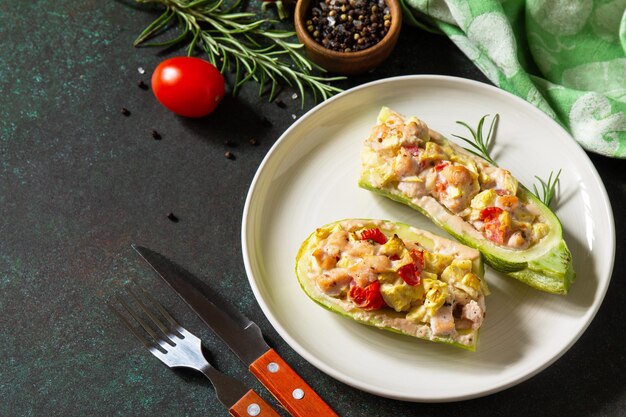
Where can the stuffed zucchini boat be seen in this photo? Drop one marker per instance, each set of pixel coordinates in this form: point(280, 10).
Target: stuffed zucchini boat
point(396, 277)
point(481, 205)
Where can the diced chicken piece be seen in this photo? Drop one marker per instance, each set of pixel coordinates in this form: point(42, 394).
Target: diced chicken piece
point(328, 255)
point(442, 323)
point(360, 249)
point(405, 165)
point(415, 132)
point(325, 260)
point(518, 240)
point(459, 186)
point(504, 180)
point(507, 202)
point(461, 298)
point(338, 240)
point(461, 177)
point(384, 141)
point(472, 312)
point(334, 282)
point(378, 133)
point(362, 274)
point(412, 189)
point(377, 263)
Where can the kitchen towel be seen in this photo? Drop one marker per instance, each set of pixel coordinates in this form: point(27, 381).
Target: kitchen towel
point(567, 57)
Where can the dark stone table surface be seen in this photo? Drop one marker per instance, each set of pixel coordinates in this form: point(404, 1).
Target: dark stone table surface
point(79, 182)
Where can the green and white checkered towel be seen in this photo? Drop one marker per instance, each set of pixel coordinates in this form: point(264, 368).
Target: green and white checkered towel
point(567, 57)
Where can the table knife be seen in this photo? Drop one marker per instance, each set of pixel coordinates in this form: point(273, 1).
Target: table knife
point(245, 339)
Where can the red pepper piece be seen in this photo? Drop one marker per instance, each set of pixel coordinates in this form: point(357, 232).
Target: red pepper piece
point(490, 213)
point(441, 166)
point(374, 234)
point(413, 150)
point(493, 228)
point(367, 298)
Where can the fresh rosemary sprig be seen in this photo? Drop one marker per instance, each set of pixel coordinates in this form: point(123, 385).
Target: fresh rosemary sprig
point(280, 8)
point(479, 144)
point(480, 147)
point(548, 188)
point(234, 38)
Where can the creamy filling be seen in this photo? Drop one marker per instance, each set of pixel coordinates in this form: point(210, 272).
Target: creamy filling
point(369, 269)
point(405, 156)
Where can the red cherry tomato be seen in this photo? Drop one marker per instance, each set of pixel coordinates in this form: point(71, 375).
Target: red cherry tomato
point(367, 298)
point(190, 87)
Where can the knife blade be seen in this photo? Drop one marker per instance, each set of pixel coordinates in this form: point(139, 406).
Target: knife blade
point(244, 338)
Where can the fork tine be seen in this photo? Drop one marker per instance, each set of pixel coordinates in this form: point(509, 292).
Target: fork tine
point(143, 323)
point(173, 323)
point(149, 313)
point(138, 335)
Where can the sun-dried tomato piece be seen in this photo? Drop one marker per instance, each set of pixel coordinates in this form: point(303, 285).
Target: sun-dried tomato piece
point(367, 298)
point(374, 234)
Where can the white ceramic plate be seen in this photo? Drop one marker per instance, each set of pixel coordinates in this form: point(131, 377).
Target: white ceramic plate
point(309, 178)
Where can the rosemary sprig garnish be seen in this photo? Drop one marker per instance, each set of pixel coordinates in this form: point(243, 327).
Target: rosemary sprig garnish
point(236, 39)
point(479, 144)
point(548, 188)
point(480, 147)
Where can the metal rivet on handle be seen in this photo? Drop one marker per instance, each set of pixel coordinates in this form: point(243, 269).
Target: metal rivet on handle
point(272, 367)
point(254, 409)
point(298, 394)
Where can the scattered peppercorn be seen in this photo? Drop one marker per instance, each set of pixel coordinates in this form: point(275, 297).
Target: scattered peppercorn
point(253, 142)
point(172, 217)
point(142, 85)
point(125, 111)
point(229, 155)
point(348, 25)
point(156, 135)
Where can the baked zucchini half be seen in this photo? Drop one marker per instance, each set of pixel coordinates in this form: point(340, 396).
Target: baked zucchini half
point(395, 277)
point(481, 205)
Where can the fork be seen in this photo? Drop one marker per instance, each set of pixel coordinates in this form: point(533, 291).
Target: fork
point(177, 347)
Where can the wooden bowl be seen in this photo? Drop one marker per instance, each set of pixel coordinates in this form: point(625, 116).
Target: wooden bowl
point(348, 63)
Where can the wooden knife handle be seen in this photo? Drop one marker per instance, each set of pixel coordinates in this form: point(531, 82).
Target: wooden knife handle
point(288, 388)
point(251, 404)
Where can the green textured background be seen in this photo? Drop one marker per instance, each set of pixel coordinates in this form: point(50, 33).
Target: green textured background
point(79, 182)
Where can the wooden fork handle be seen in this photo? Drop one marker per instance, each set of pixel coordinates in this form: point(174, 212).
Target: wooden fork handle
point(288, 387)
point(251, 405)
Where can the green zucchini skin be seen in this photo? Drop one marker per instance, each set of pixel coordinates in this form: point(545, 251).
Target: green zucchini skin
point(546, 266)
point(386, 318)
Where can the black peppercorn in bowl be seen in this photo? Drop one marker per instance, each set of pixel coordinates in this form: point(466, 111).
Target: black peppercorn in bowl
point(348, 37)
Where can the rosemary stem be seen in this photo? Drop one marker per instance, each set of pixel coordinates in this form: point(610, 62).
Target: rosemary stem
point(234, 38)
